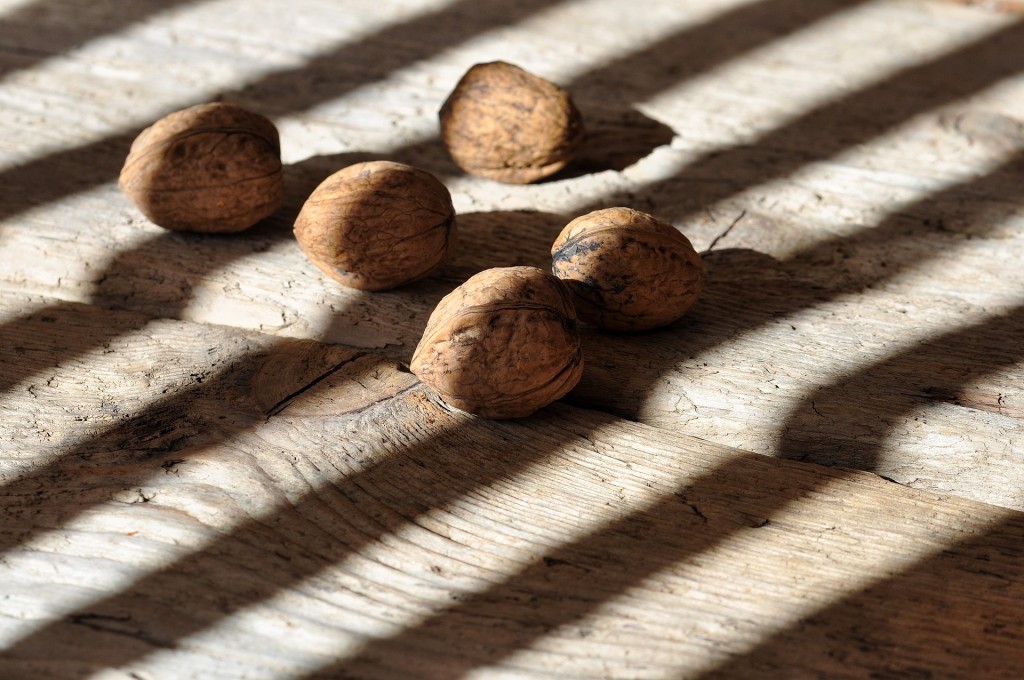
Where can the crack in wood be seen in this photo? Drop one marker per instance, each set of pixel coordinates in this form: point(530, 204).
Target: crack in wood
point(283, 403)
point(693, 506)
point(714, 241)
point(115, 625)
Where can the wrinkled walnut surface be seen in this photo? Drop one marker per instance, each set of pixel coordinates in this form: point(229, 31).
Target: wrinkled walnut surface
point(502, 345)
point(507, 124)
point(208, 168)
point(378, 225)
point(627, 270)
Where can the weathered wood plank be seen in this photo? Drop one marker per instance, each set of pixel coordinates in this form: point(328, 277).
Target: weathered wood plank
point(855, 226)
point(372, 532)
point(193, 484)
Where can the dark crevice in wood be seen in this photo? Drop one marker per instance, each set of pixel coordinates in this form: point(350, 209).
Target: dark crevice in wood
point(283, 404)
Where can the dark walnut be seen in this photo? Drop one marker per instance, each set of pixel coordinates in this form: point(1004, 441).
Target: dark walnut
point(506, 124)
point(378, 225)
point(502, 345)
point(212, 168)
point(627, 270)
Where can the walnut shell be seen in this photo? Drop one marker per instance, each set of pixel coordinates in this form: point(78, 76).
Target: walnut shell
point(627, 270)
point(208, 168)
point(502, 345)
point(506, 124)
point(378, 225)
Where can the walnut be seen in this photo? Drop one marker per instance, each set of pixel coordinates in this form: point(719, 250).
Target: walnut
point(207, 168)
point(502, 345)
point(627, 270)
point(378, 225)
point(506, 124)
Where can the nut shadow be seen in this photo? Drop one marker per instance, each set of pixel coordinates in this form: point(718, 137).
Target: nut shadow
point(328, 76)
point(748, 290)
point(156, 277)
point(840, 124)
point(618, 134)
point(745, 290)
point(614, 141)
point(503, 238)
point(682, 55)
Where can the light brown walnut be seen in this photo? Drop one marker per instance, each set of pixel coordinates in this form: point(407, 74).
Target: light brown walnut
point(627, 270)
point(378, 225)
point(209, 168)
point(502, 345)
point(507, 124)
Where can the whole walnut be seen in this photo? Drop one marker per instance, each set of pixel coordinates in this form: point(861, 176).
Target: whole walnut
point(506, 124)
point(208, 168)
point(627, 270)
point(502, 345)
point(378, 225)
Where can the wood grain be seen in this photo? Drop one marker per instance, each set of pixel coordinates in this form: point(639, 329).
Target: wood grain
point(215, 462)
point(409, 539)
point(828, 239)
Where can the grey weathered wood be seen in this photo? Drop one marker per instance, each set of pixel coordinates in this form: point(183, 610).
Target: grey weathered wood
point(215, 464)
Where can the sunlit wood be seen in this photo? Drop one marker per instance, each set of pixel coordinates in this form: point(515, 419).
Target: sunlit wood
point(216, 464)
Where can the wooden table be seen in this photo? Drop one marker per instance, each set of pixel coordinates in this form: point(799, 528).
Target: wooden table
point(216, 465)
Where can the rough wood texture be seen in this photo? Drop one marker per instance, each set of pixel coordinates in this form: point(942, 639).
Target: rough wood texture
point(850, 222)
point(216, 464)
point(290, 507)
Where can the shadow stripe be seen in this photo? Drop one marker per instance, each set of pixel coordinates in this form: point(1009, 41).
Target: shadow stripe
point(127, 595)
point(321, 79)
point(45, 29)
point(571, 583)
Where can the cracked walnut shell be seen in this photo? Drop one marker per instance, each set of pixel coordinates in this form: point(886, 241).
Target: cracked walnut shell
point(627, 270)
point(212, 168)
point(378, 225)
point(502, 345)
point(507, 124)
